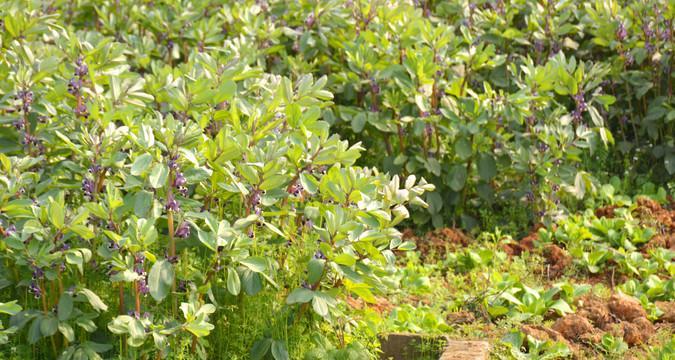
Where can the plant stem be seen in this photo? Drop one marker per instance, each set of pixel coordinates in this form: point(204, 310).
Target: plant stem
point(45, 308)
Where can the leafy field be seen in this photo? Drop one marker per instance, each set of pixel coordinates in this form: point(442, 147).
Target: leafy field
point(293, 180)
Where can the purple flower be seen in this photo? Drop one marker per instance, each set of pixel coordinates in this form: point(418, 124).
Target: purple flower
point(173, 162)
point(649, 46)
point(649, 32)
point(580, 101)
point(88, 188)
point(81, 110)
point(529, 196)
point(539, 46)
point(65, 247)
point(296, 189)
point(628, 58)
point(309, 21)
point(11, 229)
point(172, 204)
point(179, 180)
point(81, 69)
point(139, 258)
point(38, 273)
point(26, 97)
point(665, 35)
point(621, 32)
point(428, 129)
point(34, 289)
point(74, 86)
point(183, 230)
point(319, 255)
point(576, 115)
point(255, 198)
point(555, 187)
point(95, 169)
point(374, 87)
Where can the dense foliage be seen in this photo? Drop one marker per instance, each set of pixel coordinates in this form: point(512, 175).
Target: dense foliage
point(176, 172)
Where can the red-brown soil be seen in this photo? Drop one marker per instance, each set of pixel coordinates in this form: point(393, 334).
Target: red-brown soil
point(605, 211)
point(668, 308)
point(651, 211)
point(460, 317)
point(525, 244)
point(381, 305)
point(572, 327)
point(438, 241)
point(621, 316)
point(557, 260)
point(626, 308)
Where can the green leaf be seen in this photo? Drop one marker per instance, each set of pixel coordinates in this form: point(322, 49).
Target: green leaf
point(260, 348)
point(487, 167)
point(359, 122)
point(67, 331)
point(75, 257)
point(315, 270)
point(141, 165)
point(146, 137)
point(160, 279)
point(226, 91)
point(84, 231)
point(273, 182)
point(142, 203)
point(300, 295)
point(10, 308)
point(561, 307)
point(279, 350)
point(49, 326)
point(34, 332)
point(255, 263)
point(199, 329)
point(320, 306)
point(65, 306)
point(309, 182)
point(233, 281)
point(57, 214)
point(345, 259)
point(94, 300)
point(463, 148)
point(158, 176)
point(457, 177)
point(136, 329)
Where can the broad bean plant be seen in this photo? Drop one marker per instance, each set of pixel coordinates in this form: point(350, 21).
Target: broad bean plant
point(138, 194)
